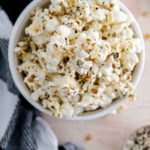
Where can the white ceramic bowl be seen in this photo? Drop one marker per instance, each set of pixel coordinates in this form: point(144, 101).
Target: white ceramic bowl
point(18, 31)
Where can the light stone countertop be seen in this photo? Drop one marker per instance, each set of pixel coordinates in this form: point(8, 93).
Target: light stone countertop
point(110, 133)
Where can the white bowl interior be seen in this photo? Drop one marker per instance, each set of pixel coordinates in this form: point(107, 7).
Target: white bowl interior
point(18, 32)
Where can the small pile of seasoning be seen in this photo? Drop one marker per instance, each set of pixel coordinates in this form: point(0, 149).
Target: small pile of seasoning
point(140, 140)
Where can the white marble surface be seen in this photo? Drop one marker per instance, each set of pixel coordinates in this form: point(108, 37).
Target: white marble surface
point(110, 133)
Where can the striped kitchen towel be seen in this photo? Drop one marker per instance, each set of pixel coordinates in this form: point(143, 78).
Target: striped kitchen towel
point(21, 127)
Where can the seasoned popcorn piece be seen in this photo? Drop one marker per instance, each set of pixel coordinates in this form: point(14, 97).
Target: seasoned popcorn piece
point(35, 29)
point(55, 8)
point(81, 9)
point(56, 1)
point(66, 110)
point(51, 24)
point(107, 3)
point(79, 65)
point(64, 31)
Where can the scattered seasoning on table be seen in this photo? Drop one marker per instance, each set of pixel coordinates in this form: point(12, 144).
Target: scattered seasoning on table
point(121, 108)
point(145, 13)
point(88, 137)
point(147, 36)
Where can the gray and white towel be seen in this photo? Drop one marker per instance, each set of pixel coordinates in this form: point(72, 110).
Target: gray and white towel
point(21, 127)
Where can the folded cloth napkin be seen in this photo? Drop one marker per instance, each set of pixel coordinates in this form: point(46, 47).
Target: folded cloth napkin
point(21, 127)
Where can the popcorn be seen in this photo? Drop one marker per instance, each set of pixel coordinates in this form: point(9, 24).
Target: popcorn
point(37, 94)
point(99, 14)
point(55, 8)
point(64, 81)
point(64, 31)
point(56, 42)
point(81, 9)
point(127, 34)
point(88, 102)
point(119, 17)
point(79, 56)
point(35, 29)
point(105, 100)
point(81, 66)
point(130, 59)
point(66, 110)
point(56, 1)
point(41, 39)
point(51, 24)
point(82, 54)
point(106, 69)
point(106, 3)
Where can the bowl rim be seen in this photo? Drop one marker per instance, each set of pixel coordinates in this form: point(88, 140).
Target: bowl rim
point(96, 114)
